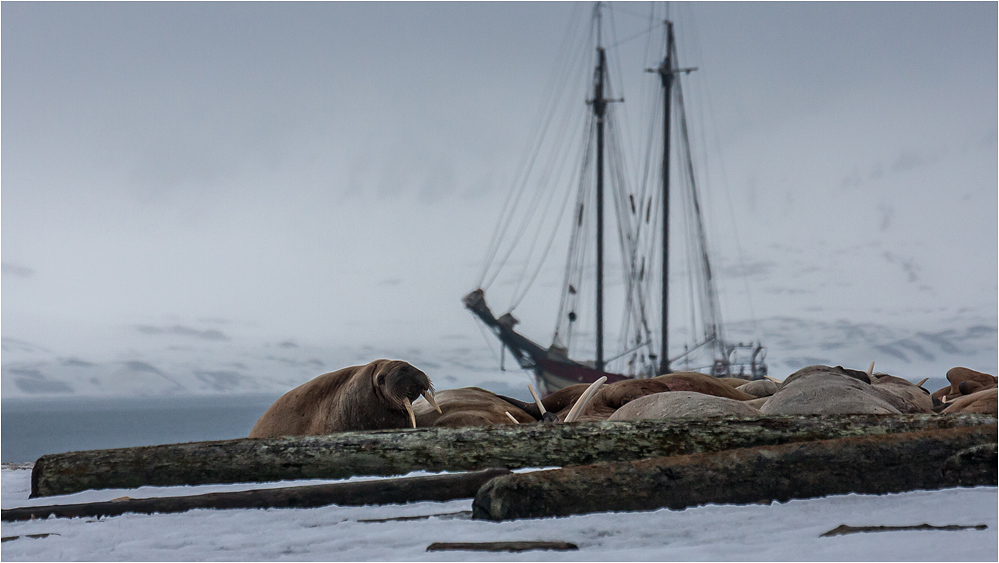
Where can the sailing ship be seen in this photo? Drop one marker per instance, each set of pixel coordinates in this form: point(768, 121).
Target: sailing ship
point(643, 213)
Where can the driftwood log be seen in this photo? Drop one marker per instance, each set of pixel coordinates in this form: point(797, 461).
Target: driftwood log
point(865, 464)
point(515, 546)
point(843, 529)
point(380, 491)
point(397, 452)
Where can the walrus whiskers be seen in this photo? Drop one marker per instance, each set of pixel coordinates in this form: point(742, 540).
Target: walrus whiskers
point(584, 400)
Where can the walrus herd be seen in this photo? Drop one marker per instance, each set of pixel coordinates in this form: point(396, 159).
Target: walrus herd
point(388, 394)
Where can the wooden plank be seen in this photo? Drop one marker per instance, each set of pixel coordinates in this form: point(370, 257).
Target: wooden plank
point(397, 452)
point(865, 464)
point(378, 491)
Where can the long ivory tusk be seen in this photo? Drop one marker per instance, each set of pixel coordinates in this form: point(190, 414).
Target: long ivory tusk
point(430, 399)
point(584, 400)
point(922, 381)
point(537, 399)
point(409, 409)
point(511, 417)
point(774, 379)
point(870, 370)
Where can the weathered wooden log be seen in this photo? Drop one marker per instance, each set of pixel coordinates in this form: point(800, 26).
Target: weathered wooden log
point(397, 452)
point(379, 491)
point(515, 546)
point(843, 529)
point(865, 464)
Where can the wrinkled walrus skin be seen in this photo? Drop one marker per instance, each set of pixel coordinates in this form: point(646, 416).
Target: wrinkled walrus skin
point(985, 401)
point(838, 390)
point(613, 396)
point(468, 406)
point(368, 397)
point(682, 404)
point(827, 390)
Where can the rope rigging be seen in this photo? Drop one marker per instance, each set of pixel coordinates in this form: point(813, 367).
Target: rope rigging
point(559, 173)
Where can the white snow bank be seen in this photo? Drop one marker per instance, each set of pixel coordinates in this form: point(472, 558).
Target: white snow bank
point(770, 532)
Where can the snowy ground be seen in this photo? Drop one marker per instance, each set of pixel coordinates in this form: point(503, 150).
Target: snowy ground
point(774, 532)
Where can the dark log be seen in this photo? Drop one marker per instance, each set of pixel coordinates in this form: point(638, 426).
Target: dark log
point(462, 514)
point(503, 546)
point(843, 529)
point(378, 491)
point(32, 536)
point(397, 452)
point(865, 464)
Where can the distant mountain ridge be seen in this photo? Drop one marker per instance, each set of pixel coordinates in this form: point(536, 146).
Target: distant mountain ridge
point(33, 371)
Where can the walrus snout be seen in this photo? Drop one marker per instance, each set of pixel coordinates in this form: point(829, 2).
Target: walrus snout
point(404, 383)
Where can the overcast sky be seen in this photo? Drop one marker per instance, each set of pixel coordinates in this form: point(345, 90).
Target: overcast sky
point(327, 172)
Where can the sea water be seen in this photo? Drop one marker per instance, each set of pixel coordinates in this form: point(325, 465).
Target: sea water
point(34, 427)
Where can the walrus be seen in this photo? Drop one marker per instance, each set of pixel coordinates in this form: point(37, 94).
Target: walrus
point(701, 383)
point(969, 387)
point(613, 396)
point(985, 401)
point(733, 382)
point(370, 397)
point(759, 388)
point(472, 406)
point(906, 396)
point(682, 404)
point(829, 390)
point(468, 406)
point(964, 381)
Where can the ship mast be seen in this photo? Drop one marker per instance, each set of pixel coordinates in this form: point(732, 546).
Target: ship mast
point(599, 110)
point(666, 72)
point(599, 103)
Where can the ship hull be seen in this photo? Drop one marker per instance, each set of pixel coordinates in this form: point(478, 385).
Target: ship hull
point(554, 375)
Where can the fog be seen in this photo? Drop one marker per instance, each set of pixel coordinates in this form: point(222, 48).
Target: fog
point(274, 190)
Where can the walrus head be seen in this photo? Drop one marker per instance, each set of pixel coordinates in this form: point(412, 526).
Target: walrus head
point(399, 383)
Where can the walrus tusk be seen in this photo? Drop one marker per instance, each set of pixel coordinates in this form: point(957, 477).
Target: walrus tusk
point(584, 400)
point(774, 379)
point(870, 370)
point(537, 399)
point(409, 409)
point(433, 403)
point(511, 417)
point(922, 381)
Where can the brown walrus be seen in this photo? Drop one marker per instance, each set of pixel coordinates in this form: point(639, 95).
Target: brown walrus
point(964, 381)
point(906, 396)
point(469, 406)
point(760, 387)
point(837, 390)
point(369, 397)
point(829, 390)
point(613, 396)
point(985, 401)
point(682, 404)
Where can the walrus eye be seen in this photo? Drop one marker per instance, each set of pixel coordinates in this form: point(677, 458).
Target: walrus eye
point(381, 379)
